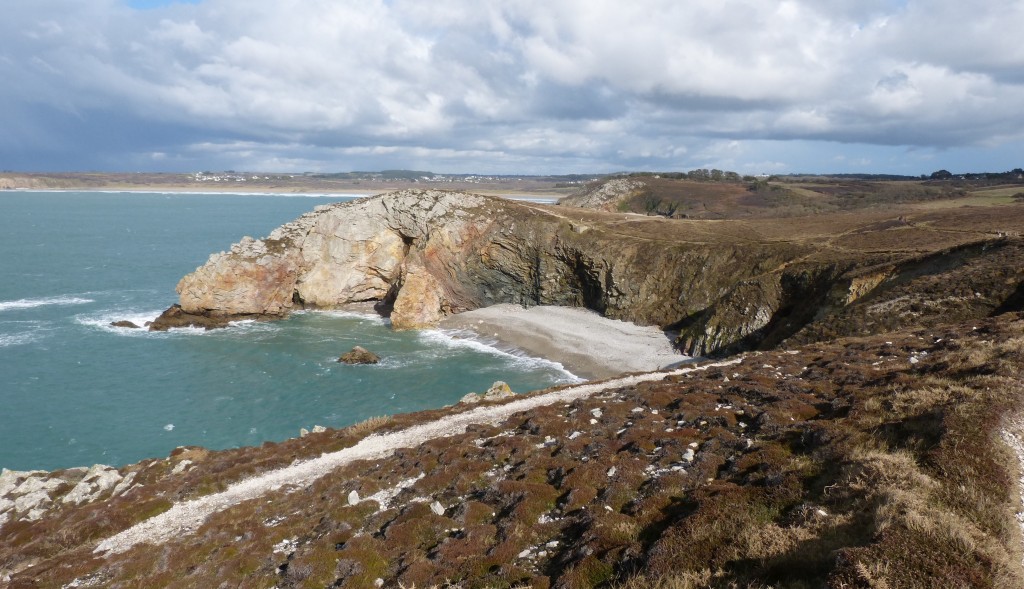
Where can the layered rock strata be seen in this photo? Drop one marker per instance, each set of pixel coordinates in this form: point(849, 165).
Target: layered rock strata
point(425, 254)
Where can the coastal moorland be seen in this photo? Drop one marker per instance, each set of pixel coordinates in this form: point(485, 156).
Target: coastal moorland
point(855, 418)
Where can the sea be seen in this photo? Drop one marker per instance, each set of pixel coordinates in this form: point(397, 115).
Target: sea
point(75, 391)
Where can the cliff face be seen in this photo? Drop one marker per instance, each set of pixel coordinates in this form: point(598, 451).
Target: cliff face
point(427, 254)
point(724, 287)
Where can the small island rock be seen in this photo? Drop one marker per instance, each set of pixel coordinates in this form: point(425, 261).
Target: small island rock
point(124, 323)
point(359, 355)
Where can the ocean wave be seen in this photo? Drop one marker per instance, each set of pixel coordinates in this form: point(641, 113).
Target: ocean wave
point(103, 320)
point(362, 315)
point(18, 339)
point(42, 302)
point(457, 339)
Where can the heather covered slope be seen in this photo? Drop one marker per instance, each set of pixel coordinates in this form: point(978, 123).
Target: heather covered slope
point(864, 462)
point(862, 440)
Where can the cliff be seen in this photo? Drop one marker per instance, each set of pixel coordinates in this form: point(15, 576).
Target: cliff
point(722, 285)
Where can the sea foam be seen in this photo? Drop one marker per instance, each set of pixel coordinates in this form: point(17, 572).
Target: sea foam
point(42, 302)
point(103, 320)
point(468, 340)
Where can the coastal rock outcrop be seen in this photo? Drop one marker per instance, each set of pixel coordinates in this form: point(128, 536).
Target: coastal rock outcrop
point(606, 195)
point(421, 255)
point(30, 495)
point(359, 355)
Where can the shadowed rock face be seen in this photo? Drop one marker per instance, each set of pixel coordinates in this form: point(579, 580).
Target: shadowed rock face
point(427, 254)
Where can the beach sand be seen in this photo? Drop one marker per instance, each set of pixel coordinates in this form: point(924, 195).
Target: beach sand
point(585, 343)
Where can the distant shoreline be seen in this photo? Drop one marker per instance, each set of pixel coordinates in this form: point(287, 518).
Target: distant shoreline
point(262, 191)
point(525, 187)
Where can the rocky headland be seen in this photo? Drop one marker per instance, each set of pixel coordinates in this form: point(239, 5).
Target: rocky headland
point(867, 432)
point(722, 286)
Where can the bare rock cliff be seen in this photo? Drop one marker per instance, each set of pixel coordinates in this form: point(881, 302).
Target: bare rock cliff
point(425, 254)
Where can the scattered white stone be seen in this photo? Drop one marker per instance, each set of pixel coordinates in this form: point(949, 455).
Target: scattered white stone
point(688, 455)
point(637, 410)
point(694, 444)
point(99, 479)
point(612, 471)
point(437, 508)
point(547, 443)
point(286, 546)
point(353, 497)
point(593, 422)
point(378, 582)
point(525, 553)
point(552, 544)
point(181, 466)
point(596, 412)
point(384, 497)
point(268, 523)
point(914, 360)
point(124, 485)
point(575, 435)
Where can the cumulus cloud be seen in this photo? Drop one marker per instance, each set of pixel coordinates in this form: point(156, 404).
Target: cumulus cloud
point(546, 86)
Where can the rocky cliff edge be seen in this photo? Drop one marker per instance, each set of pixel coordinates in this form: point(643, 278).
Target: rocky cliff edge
point(421, 255)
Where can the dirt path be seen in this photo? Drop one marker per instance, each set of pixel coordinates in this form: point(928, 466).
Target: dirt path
point(185, 518)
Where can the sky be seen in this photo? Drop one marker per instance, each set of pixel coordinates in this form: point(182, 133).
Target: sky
point(512, 86)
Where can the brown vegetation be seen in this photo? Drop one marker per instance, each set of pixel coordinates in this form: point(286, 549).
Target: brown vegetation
point(866, 462)
point(859, 448)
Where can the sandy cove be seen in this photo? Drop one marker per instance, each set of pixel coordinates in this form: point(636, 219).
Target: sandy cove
point(582, 341)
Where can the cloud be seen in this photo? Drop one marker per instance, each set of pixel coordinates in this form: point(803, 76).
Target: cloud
point(583, 83)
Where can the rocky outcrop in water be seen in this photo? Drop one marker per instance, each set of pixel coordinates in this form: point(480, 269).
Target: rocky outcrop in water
point(425, 254)
point(359, 355)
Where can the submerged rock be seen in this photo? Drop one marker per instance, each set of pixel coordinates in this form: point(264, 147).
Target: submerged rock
point(359, 355)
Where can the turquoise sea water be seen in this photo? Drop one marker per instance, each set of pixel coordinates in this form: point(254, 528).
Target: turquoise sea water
point(75, 391)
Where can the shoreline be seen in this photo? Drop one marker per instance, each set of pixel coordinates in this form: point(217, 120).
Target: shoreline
point(540, 197)
point(586, 344)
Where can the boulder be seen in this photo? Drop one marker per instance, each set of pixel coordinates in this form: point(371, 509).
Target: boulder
point(125, 324)
point(499, 390)
point(175, 316)
point(359, 355)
